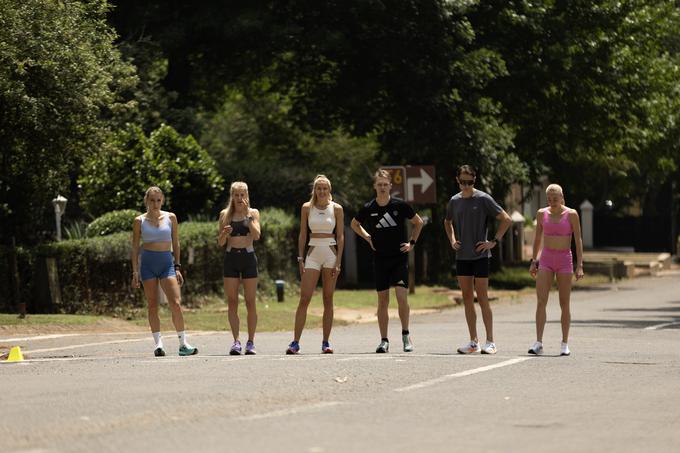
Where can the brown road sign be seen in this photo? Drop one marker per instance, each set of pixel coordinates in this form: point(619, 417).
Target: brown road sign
point(421, 187)
point(414, 183)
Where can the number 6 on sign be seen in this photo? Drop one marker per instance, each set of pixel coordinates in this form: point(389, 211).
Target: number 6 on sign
point(398, 174)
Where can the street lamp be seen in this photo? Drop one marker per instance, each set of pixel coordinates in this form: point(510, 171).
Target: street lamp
point(59, 208)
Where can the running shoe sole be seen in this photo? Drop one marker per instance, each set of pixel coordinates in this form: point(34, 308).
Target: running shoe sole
point(292, 352)
point(489, 352)
point(159, 352)
point(460, 351)
point(234, 352)
point(251, 352)
point(187, 352)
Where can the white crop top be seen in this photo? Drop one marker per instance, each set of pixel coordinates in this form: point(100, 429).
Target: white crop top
point(322, 221)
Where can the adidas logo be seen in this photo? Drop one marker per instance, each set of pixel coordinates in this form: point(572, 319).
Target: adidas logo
point(386, 221)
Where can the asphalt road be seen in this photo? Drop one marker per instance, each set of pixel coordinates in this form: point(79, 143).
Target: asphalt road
point(619, 390)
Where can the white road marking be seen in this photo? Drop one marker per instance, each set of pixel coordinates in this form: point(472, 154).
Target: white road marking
point(39, 337)
point(448, 377)
point(661, 326)
point(293, 410)
point(84, 345)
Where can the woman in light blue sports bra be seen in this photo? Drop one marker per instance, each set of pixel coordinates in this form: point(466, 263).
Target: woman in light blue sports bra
point(159, 263)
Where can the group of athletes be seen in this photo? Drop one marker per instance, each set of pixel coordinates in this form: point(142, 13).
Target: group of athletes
point(382, 224)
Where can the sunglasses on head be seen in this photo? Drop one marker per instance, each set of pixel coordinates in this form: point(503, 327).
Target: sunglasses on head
point(466, 182)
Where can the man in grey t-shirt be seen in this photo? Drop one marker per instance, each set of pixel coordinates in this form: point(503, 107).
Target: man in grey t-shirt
point(466, 227)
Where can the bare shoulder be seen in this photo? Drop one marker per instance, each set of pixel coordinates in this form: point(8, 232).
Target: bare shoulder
point(337, 206)
point(573, 213)
point(306, 205)
point(171, 215)
point(254, 213)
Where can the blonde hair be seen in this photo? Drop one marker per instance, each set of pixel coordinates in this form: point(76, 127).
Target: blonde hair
point(554, 188)
point(228, 212)
point(149, 191)
point(382, 173)
point(317, 180)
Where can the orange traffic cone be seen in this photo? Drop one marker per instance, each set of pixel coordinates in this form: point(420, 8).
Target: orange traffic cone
point(15, 355)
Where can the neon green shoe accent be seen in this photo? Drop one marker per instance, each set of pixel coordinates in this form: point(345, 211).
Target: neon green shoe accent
point(184, 351)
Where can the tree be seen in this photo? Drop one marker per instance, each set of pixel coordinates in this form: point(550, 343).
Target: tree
point(60, 79)
point(590, 89)
point(253, 139)
point(118, 176)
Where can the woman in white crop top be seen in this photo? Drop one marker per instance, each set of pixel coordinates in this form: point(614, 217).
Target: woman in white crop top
point(324, 221)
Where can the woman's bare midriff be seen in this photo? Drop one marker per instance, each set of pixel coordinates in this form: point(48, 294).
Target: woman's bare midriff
point(557, 242)
point(240, 242)
point(165, 246)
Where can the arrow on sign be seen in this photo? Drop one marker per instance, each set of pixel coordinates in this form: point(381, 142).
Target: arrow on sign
point(424, 181)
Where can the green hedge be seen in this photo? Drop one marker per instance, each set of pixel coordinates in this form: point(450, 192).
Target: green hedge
point(94, 273)
point(112, 222)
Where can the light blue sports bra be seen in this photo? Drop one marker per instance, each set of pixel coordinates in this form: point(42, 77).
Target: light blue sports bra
point(162, 233)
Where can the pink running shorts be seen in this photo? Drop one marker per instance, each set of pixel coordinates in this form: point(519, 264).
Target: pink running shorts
point(558, 261)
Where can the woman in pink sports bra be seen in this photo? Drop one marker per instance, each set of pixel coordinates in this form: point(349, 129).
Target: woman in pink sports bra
point(555, 226)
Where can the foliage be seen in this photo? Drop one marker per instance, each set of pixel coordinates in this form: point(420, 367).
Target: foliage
point(75, 230)
point(512, 278)
point(591, 90)
point(60, 78)
point(112, 222)
point(278, 244)
point(94, 273)
point(252, 139)
point(118, 176)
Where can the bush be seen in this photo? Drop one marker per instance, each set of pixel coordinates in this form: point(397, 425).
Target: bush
point(131, 162)
point(95, 273)
point(512, 278)
point(277, 246)
point(112, 222)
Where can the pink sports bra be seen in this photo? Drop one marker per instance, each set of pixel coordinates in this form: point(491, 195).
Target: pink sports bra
point(561, 228)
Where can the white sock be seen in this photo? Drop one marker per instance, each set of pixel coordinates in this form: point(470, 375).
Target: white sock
point(157, 339)
point(182, 339)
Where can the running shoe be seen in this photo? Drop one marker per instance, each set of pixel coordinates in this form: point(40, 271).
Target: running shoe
point(159, 352)
point(293, 348)
point(564, 349)
point(185, 350)
point(408, 346)
point(469, 348)
point(250, 348)
point(383, 347)
point(235, 348)
point(326, 348)
point(489, 348)
point(536, 349)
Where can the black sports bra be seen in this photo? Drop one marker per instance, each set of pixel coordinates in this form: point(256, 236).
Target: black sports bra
point(239, 228)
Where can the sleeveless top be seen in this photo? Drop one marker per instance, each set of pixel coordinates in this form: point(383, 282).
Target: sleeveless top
point(322, 221)
point(162, 233)
point(561, 228)
point(239, 228)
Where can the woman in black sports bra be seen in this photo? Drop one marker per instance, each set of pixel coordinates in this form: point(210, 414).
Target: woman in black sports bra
point(239, 226)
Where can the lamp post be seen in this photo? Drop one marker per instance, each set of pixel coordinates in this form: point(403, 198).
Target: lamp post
point(59, 208)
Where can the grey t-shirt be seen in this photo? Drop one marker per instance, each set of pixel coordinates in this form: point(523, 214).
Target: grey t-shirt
point(469, 218)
